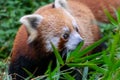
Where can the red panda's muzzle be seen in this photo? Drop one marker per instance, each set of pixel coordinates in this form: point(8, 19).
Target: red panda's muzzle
point(74, 40)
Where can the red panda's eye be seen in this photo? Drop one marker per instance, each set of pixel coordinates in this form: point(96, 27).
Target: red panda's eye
point(66, 36)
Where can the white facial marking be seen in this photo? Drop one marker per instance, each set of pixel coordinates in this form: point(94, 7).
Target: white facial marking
point(66, 29)
point(73, 41)
point(54, 40)
point(74, 23)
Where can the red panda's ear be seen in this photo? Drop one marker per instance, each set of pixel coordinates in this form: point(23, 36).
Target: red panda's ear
point(31, 23)
point(61, 4)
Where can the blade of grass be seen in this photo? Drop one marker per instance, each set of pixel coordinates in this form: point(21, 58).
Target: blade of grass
point(116, 65)
point(85, 73)
point(92, 56)
point(117, 75)
point(56, 72)
point(91, 65)
point(114, 46)
point(74, 53)
point(57, 54)
point(49, 71)
point(29, 73)
point(118, 14)
point(91, 47)
point(106, 59)
point(110, 17)
point(68, 77)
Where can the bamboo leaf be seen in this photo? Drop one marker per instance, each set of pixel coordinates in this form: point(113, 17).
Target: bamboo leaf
point(29, 73)
point(85, 73)
point(56, 72)
point(118, 14)
point(57, 54)
point(91, 65)
point(114, 46)
point(116, 65)
point(91, 47)
point(49, 71)
point(68, 77)
point(92, 56)
point(74, 53)
point(110, 17)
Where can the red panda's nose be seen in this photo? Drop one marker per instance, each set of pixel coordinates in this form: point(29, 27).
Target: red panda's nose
point(81, 40)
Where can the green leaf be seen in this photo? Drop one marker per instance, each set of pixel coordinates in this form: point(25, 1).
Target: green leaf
point(114, 46)
point(49, 71)
point(56, 72)
point(29, 73)
point(106, 59)
point(57, 54)
point(74, 53)
point(91, 65)
point(91, 47)
point(110, 17)
point(118, 14)
point(85, 73)
point(68, 77)
point(92, 56)
point(116, 65)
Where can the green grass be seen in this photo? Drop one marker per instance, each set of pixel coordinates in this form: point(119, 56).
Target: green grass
point(104, 65)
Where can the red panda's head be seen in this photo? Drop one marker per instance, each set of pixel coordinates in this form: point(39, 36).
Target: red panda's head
point(54, 25)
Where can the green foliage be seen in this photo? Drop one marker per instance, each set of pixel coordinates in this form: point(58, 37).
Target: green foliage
point(57, 54)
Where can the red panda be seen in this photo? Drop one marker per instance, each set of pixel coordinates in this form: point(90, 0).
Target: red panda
point(98, 7)
point(65, 24)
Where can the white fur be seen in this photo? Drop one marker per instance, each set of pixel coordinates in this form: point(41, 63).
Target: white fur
point(73, 41)
point(75, 25)
point(26, 21)
point(65, 29)
point(61, 4)
point(54, 40)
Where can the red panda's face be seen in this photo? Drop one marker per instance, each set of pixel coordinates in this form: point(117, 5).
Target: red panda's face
point(55, 25)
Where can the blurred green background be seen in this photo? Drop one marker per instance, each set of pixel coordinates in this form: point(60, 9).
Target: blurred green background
point(10, 13)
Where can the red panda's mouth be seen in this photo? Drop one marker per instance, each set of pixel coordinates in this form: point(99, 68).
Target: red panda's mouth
point(64, 52)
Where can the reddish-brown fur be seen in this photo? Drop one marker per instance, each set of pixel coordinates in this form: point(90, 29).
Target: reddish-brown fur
point(98, 7)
